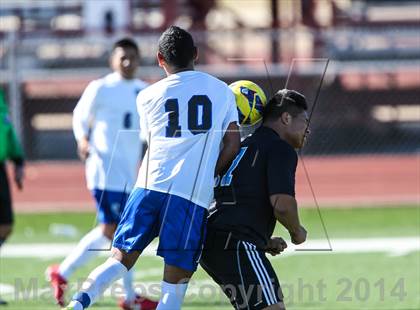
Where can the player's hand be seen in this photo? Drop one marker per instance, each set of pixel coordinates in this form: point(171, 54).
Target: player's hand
point(275, 246)
point(299, 236)
point(83, 148)
point(19, 175)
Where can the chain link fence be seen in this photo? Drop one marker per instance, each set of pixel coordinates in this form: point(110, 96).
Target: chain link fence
point(364, 104)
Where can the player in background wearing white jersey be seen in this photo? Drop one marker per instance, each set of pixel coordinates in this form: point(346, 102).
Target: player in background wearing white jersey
point(191, 119)
point(106, 127)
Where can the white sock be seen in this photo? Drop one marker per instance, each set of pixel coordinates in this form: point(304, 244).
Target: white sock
point(86, 249)
point(130, 294)
point(102, 277)
point(172, 296)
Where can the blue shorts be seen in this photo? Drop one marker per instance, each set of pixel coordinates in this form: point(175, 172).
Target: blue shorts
point(179, 223)
point(109, 205)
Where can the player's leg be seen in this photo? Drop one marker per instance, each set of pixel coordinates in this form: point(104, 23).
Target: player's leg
point(108, 230)
point(258, 273)
point(109, 213)
point(6, 212)
point(87, 248)
point(116, 267)
point(181, 237)
point(137, 228)
point(173, 288)
point(221, 262)
point(132, 300)
point(97, 240)
point(244, 273)
point(5, 231)
point(115, 206)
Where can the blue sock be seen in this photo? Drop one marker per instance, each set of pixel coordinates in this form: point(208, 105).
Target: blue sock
point(83, 298)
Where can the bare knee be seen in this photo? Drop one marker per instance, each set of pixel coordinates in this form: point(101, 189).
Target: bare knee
point(5, 231)
point(108, 230)
point(127, 259)
point(176, 275)
point(278, 306)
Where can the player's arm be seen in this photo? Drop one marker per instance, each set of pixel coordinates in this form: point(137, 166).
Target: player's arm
point(83, 147)
point(231, 139)
point(286, 212)
point(231, 146)
point(82, 116)
point(281, 170)
point(144, 134)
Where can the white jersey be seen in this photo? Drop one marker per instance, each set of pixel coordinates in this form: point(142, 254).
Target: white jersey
point(107, 114)
point(186, 116)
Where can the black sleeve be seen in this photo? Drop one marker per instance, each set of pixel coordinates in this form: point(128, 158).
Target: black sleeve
point(281, 170)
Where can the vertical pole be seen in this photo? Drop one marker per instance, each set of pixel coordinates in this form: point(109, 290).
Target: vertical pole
point(274, 32)
point(15, 98)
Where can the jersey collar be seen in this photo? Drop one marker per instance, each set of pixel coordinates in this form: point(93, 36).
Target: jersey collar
point(269, 131)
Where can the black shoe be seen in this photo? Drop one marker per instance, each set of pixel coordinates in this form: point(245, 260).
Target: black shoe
point(3, 302)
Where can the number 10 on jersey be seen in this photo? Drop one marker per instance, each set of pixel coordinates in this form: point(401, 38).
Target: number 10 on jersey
point(196, 125)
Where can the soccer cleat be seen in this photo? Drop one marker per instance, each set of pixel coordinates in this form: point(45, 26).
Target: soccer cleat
point(74, 305)
point(58, 283)
point(139, 303)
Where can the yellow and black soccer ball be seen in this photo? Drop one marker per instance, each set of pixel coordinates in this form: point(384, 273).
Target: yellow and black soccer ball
point(250, 101)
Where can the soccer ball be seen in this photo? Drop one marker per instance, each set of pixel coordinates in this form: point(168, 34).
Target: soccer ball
point(250, 101)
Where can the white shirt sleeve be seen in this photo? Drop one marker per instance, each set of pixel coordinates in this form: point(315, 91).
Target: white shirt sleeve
point(144, 126)
point(84, 111)
point(232, 112)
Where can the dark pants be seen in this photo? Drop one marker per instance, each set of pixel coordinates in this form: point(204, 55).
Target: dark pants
point(242, 271)
point(6, 213)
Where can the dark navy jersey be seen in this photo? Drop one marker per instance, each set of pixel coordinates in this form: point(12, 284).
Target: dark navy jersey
point(266, 165)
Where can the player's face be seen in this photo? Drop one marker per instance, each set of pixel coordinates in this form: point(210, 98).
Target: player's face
point(299, 130)
point(125, 61)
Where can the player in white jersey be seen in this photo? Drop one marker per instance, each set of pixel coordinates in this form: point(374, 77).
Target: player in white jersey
point(106, 128)
point(191, 119)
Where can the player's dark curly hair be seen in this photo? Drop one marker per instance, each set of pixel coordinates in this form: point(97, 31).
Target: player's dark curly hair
point(177, 47)
point(285, 100)
point(126, 43)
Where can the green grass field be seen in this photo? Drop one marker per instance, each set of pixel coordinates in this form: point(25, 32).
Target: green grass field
point(328, 280)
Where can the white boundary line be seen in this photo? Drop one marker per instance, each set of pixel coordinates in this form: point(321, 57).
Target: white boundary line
point(393, 246)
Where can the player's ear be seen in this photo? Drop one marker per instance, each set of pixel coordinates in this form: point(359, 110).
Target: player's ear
point(111, 60)
point(195, 54)
point(160, 59)
point(285, 118)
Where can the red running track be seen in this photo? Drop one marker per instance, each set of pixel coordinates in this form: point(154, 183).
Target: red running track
point(336, 181)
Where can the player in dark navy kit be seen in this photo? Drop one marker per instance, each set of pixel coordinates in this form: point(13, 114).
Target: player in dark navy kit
point(257, 191)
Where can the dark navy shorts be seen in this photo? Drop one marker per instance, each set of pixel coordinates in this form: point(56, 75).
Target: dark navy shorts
point(109, 205)
point(179, 223)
